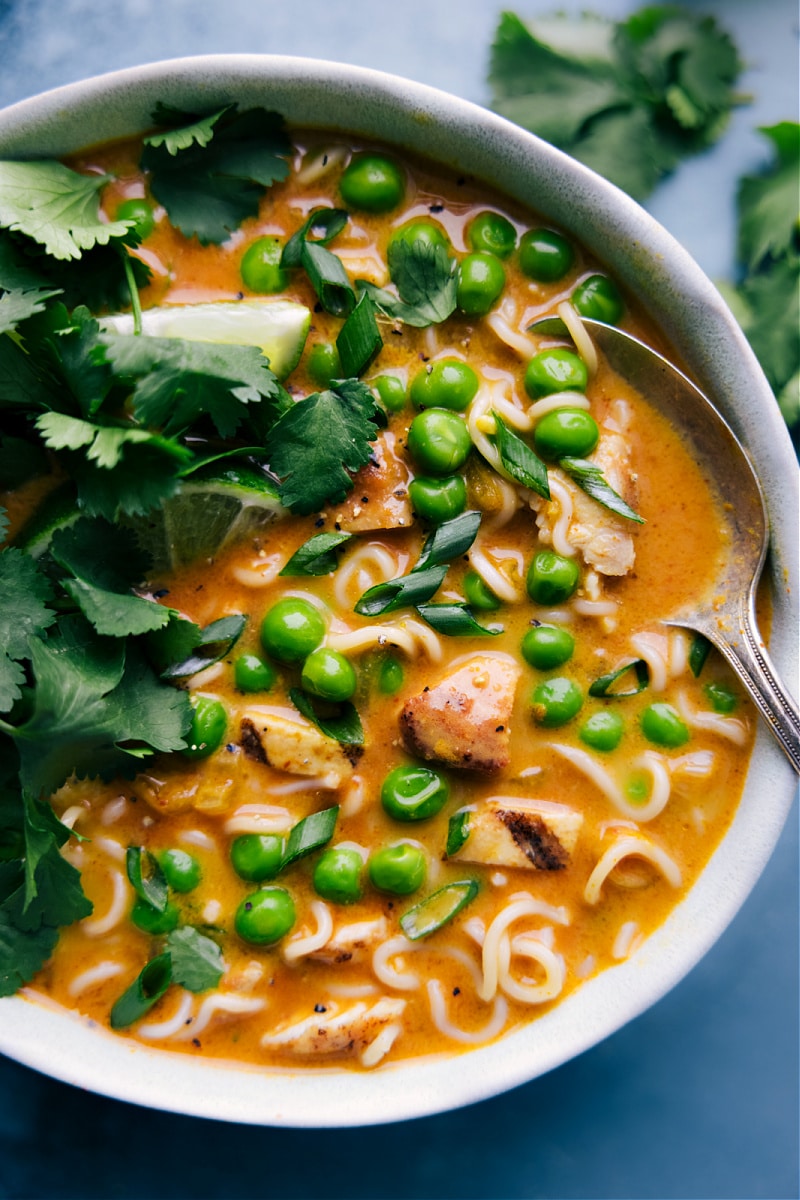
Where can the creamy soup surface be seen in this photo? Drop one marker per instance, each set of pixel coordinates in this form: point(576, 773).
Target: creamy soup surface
point(572, 822)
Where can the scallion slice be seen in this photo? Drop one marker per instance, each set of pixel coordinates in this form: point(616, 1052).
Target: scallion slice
point(343, 724)
point(316, 556)
point(313, 832)
point(146, 877)
point(457, 832)
point(406, 591)
point(519, 461)
point(437, 909)
point(698, 653)
point(216, 641)
point(603, 685)
point(454, 620)
point(359, 340)
point(591, 479)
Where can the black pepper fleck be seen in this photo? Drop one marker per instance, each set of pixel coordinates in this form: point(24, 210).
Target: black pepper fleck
point(320, 1008)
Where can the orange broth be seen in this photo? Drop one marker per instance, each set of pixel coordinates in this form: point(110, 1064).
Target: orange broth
point(190, 805)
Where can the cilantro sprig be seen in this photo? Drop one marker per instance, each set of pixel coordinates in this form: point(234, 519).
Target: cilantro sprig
point(629, 99)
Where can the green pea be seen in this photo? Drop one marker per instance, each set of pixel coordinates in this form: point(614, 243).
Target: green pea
point(257, 856)
point(207, 730)
point(448, 383)
point(481, 280)
point(181, 870)
point(390, 676)
point(602, 731)
point(491, 231)
point(372, 183)
point(413, 793)
point(328, 674)
point(391, 392)
point(438, 500)
point(551, 578)
point(478, 594)
point(660, 723)
point(337, 875)
point(555, 371)
point(141, 213)
point(439, 441)
point(545, 255)
point(556, 701)
point(566, 431)
point(547, 646)
point(323, 363)
point(252, 674)
point(150, 920)
point(260, 267)
point(426, 233)
point(722, 699)
point(598, 297)
point(398, 869)
point(292, 629)
point(265, 916)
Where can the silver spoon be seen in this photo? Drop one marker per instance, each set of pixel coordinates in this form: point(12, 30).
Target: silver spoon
point(729, 622)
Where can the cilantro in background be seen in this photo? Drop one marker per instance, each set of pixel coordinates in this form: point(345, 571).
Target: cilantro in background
point(629, 100)
point(767, 299)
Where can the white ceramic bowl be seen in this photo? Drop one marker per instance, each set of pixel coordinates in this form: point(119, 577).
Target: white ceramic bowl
point(694, 319)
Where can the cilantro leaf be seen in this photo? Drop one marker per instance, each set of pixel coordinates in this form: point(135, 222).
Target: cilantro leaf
point(768, 203)
point(177, 381)
point(22, 953)
point(425, 277)
point(53, 893)
point(197, 133)
point(24, 596)
point(197, 962)
point(318, 441)
point(210, 173)
point(17, 306)
point(20, 460)
point(628, 99)
point(56, 207)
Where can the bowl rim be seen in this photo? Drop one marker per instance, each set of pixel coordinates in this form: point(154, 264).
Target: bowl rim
point(682, 301)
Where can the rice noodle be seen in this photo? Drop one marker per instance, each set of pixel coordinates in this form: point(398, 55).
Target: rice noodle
point(527, 946)
point(261, 575)
point(72, 814)
point(259, 818)
point(201, 678)
point(548, 404)
point(627, 940)
point(365, 566)
point(354, 797)
point(97, 926)
point(94, 976)
point(372, 1054)
point(731, 728)
point(196, 837)
point(638, 847)
point(560, 493)
point(113, 810)
point(404, 981)
point(111, 847)
point(654, 649)
point(230, 1003)
point(158, 1030)
point(524, 345)
point(577, 331)
point(319, 163)
point(467, 1037)
point(211, 911)
point(649, 761)
point(525, 906)
point(495, 579)
point(302, 944)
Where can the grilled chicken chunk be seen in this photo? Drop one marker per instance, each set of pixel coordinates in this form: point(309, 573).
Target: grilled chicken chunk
point(536, 834)
point(336, 1030)
point(463, 720)
point(379, 499)
point(352, 941)
point(297, 747)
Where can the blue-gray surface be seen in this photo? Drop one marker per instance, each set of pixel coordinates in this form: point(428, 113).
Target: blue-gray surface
point(698, 1097)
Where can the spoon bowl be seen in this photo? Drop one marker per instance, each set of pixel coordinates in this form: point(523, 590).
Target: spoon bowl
point(726, 613)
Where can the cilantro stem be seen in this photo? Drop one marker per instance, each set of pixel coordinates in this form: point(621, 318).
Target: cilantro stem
point(134, 292)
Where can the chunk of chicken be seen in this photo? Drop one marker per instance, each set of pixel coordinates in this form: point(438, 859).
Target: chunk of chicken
point(604, 540)
point(336, 1030)
point(352, 941)
point(379, 499)
point(463, 720)
point(535, 834)
point(297, 747)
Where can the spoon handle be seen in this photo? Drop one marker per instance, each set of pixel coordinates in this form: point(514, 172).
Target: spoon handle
point(748, 657)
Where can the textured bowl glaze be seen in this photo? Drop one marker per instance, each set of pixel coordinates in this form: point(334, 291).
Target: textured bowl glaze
point(706, 338)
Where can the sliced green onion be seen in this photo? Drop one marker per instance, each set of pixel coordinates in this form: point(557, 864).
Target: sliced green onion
point(519, 461)
point(404, 592)
point(603, 685)
point(591, 479)
point(457, 832)
point(454, 620)
point(549, 327)
point(311, 833)
point(216, 641)
point(316, 556)
point(147, 988)
point(698, 653)
point(343, 724)
point(146, 877)
point(450, 540)
point(437, 909)
point(325, 223)
point(359, 340)
point(328, 279)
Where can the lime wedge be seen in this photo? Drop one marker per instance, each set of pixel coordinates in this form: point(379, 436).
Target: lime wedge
point(58, 510)
point(278, 327)
point(215, 507)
